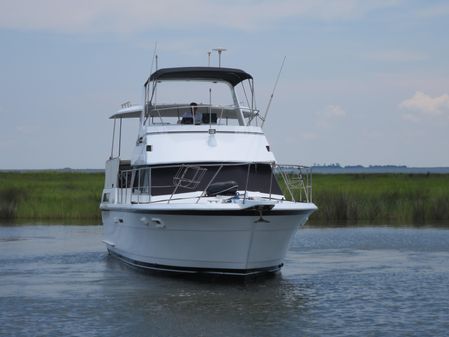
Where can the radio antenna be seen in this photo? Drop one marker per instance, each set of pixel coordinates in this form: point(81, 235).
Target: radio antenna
point(152, 63)
point(154, 58)
point(272, 93)
point(147, 97)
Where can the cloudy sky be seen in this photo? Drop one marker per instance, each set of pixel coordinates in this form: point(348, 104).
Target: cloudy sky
point(364, 82)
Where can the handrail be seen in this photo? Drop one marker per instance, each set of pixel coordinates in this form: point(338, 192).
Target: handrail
point(181, 178)
point(156, 111)
point(209, 183)
point(295, 178)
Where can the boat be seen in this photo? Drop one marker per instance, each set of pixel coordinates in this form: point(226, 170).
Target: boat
point(202, 191)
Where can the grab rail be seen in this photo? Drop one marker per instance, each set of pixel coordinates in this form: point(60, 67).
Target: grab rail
point(159, 112)
point(297, 178)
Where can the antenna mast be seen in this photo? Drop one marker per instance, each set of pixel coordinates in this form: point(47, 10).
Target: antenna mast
point(272, 93)
point(147, 85)
point(154, 57)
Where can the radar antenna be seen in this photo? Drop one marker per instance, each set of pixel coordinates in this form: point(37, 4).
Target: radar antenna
point(219, 51)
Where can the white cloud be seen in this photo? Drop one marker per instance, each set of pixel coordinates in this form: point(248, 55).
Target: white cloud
point(329, 115)
point(140, 15)
point(424, 106)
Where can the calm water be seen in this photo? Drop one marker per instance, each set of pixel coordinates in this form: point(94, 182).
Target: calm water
point(59, 281)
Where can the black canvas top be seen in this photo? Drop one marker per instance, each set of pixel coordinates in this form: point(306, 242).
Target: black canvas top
point(233, 76)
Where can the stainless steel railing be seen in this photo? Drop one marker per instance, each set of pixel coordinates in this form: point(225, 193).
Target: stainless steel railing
point(135, 185)
point(297, 178)
point(163, 113)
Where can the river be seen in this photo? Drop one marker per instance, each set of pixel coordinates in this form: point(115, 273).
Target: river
point(359, 281)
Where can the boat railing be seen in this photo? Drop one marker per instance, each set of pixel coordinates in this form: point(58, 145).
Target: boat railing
point(136, 186)
point(297, 180)
point(212, 114)
point(187, 177)
point(253, 116)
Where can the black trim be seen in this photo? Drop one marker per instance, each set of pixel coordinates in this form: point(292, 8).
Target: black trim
point(161, 267)
point(236, 212)
point(230, 75)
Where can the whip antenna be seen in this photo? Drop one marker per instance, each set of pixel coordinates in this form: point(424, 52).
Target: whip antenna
point(147, 86)
point(154, 57)
point(152, 62)
point(272, 93)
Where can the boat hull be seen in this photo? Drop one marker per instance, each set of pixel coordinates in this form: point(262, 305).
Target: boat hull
point(228, 242)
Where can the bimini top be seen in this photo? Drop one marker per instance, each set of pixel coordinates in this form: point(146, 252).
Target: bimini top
point(230, 75)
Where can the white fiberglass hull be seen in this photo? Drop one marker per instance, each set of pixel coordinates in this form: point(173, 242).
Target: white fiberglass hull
point(198, 240)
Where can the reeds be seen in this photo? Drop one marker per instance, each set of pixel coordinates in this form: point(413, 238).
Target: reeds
point(344, 199)
point(388, 198)
point(9, 200)
point(50, 195)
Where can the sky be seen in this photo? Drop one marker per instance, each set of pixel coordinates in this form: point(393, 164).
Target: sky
point(364, 82)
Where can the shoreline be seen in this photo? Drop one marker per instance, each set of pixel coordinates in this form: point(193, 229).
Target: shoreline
point(346, 199)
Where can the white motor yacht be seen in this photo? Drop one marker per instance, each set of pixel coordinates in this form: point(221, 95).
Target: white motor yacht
point(202, 191)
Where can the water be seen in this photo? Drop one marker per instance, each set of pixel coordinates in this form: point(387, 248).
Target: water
point(59, 281)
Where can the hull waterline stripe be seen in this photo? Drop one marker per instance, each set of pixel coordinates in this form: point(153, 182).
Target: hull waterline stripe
point(195, 270)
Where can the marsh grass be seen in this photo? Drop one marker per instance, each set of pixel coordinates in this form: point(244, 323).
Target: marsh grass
point(9, 200)
point(374, 198)
point(50, 195)
point(343, 199)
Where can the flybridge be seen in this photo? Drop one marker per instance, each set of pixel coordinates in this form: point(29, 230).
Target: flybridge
point(191, 102)
point(219, 93)
point(222, 96)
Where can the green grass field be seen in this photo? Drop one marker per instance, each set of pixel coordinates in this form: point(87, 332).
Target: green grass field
point(50, 195)
point(375, 198)
point(342, 199)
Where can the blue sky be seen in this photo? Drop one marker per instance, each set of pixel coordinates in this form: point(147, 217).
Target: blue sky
point(365, 82)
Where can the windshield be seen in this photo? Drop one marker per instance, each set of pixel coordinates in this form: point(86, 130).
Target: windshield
point(200, 92)
point(214, 101)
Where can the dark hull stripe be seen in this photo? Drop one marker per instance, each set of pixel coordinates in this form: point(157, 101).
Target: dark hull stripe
point(160, 267)
point(247, 212)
